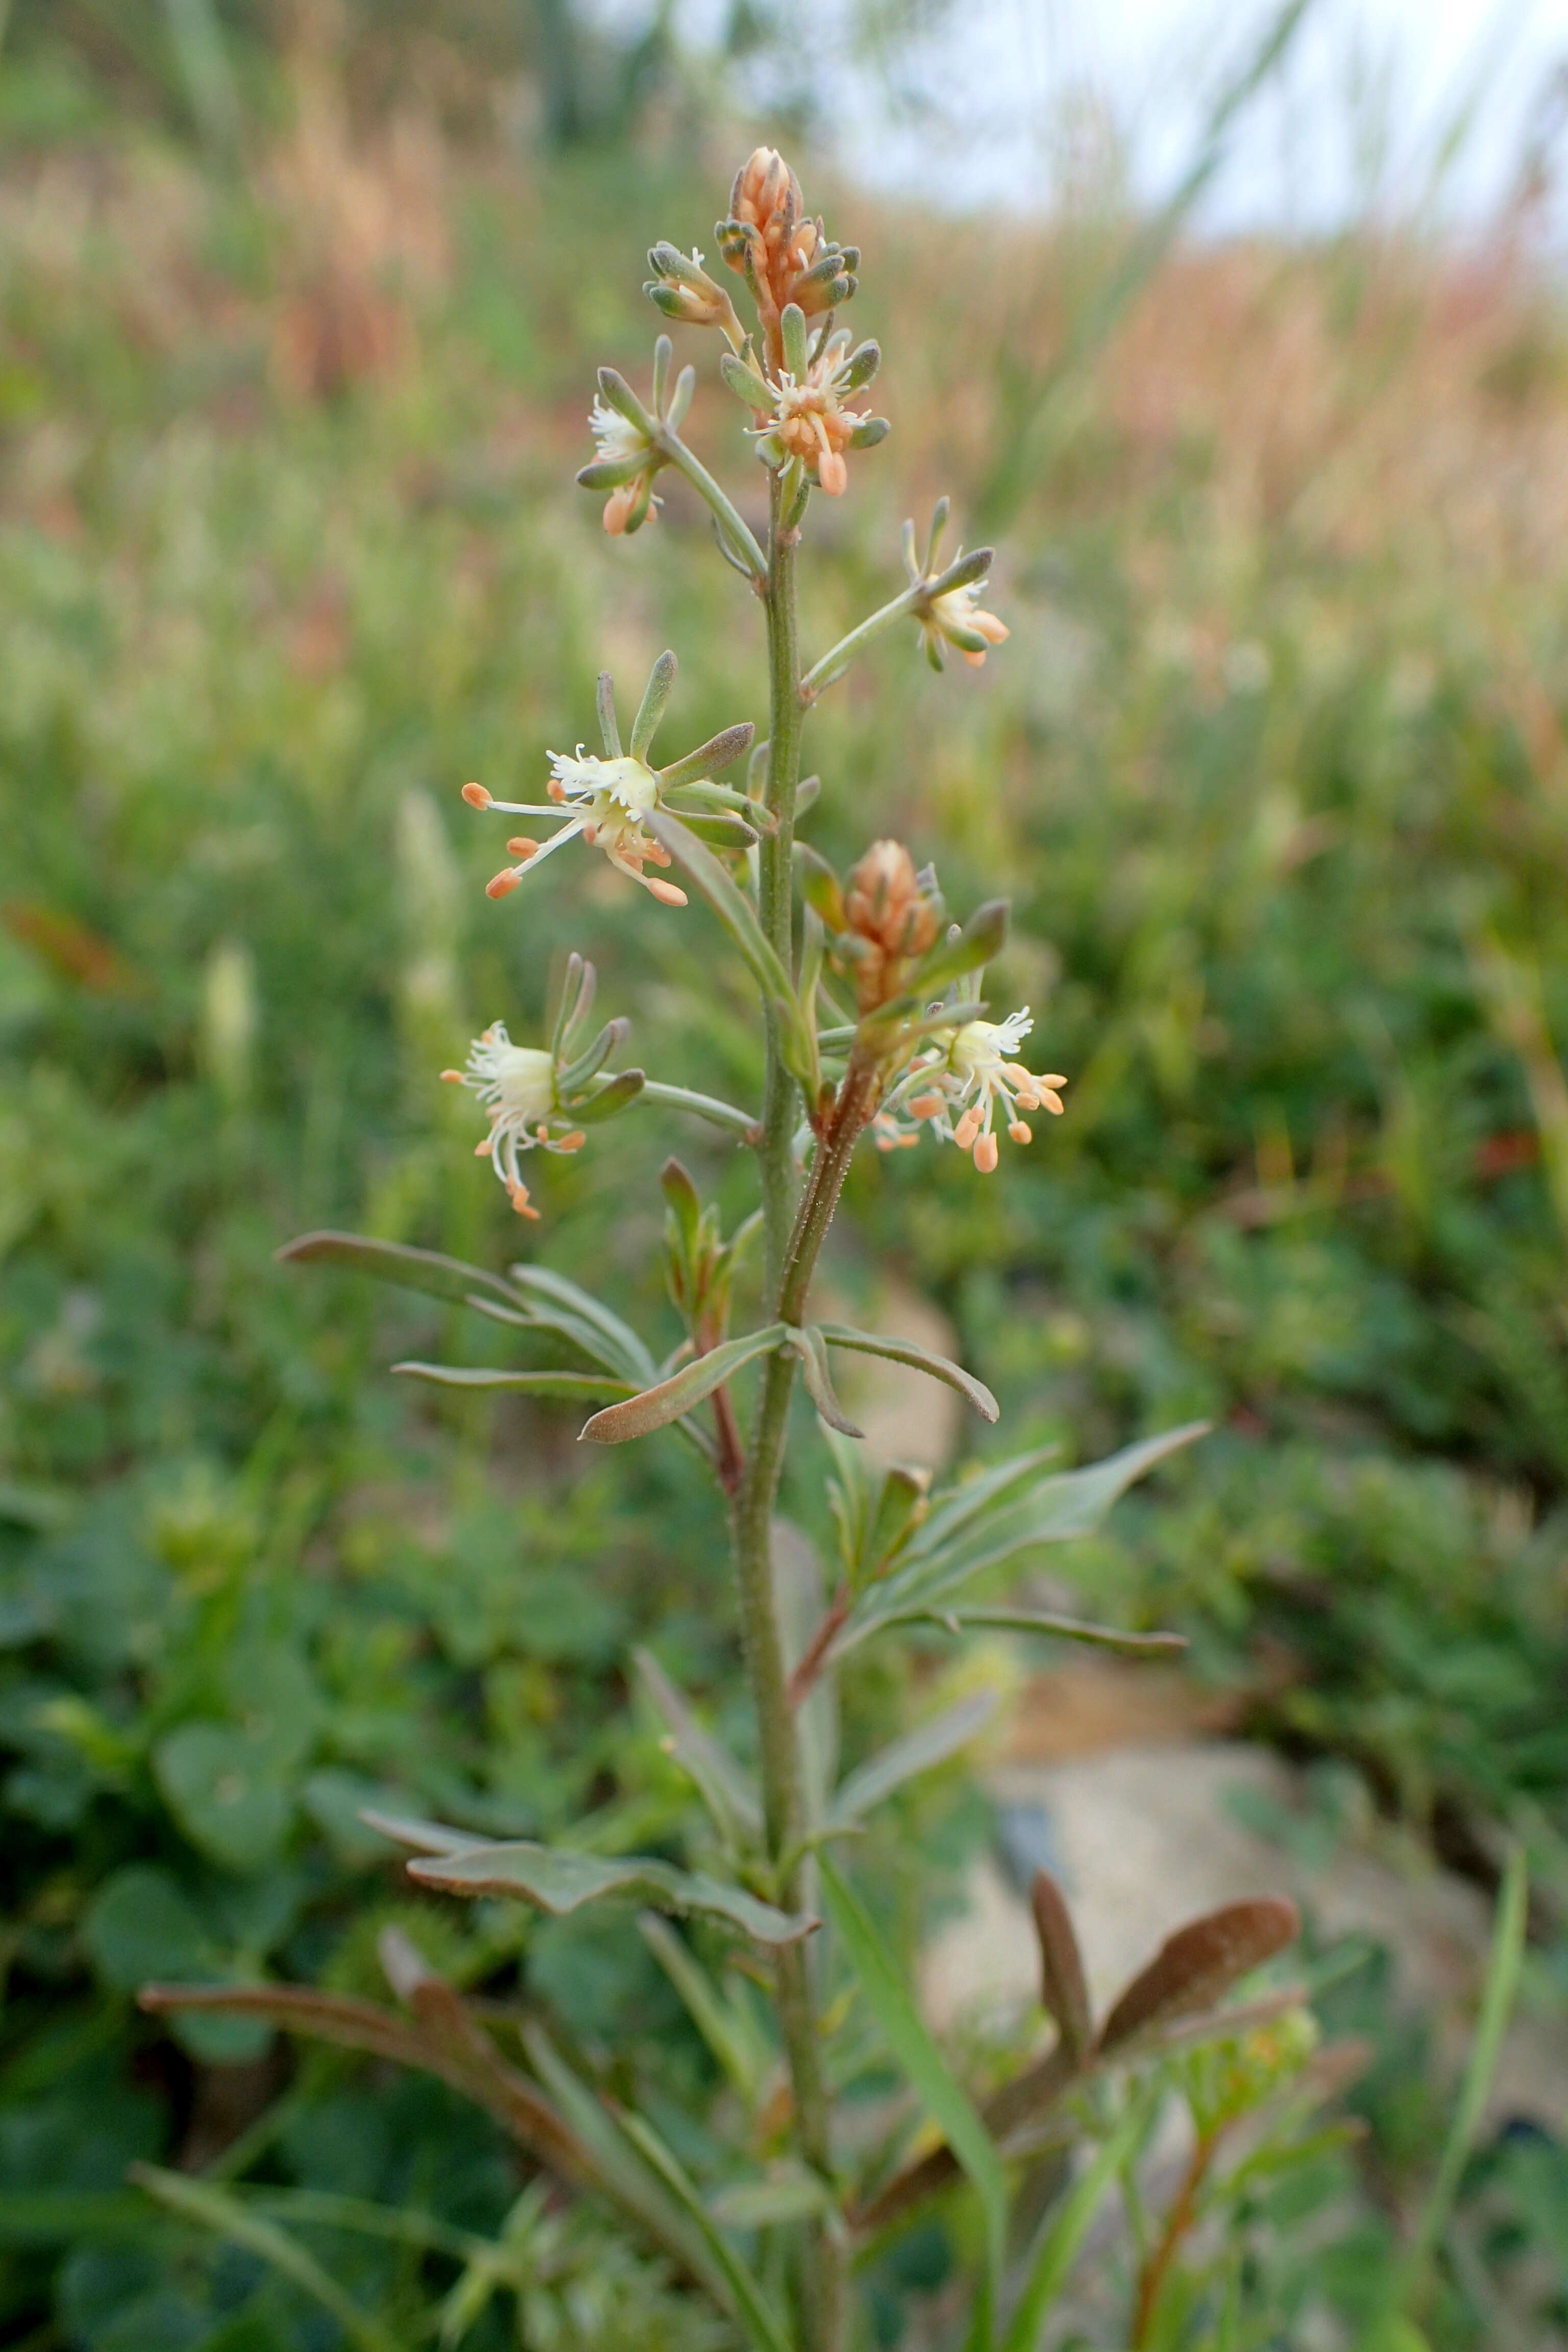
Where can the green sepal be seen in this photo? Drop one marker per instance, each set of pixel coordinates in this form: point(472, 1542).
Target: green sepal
point(615, 1095)
point(820, 888)
point(650, 710)
point(981, 939)
point(869, 432)
point(570, 1079)
point(604, 704)
point(680, 398)
point(962, 571)
point(721, 830)
point(663, 352)
point(623, 400)
point(611, 473)
point(745, 384)
point(719, 751)
point(860, 368)
point(791, 326)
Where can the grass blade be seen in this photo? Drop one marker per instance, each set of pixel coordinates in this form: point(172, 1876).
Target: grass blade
point(216, 2210)
point(1496, 2004)
point(911, 2043)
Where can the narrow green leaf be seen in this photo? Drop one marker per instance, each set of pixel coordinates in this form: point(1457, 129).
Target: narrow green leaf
point(710, 2013)
point(906, 1351)
point(982, 1525)
point(909, 2041)
point(622, 2170)
point(726, 1787)
point(751, 2310)
point(921, 1750)
point(809, 1346)
point(1067, 2229)
point(668, 1399)
point(618, 1344)
point(1044, 1620)
point(578, 1388)
point(413, 1269)
point(560, 1880)
point(213, 2209)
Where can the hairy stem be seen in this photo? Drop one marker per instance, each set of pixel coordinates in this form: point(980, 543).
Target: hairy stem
point(775, 861)
point(777, 1742)
point(794, 1240)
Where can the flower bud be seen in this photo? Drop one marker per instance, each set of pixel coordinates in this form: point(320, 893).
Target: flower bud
point(682, 290)
point(895, 915)
point(783, 256)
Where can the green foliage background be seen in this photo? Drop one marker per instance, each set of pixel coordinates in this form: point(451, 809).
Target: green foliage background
point(1272, 768)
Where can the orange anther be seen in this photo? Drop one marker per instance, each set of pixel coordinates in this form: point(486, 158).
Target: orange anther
point(499, 884)
point(476, 796)
point(986, 1154)
point(669, 893)
point(522, 848)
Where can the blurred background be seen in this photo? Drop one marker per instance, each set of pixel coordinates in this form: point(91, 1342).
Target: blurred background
point(1241, 332)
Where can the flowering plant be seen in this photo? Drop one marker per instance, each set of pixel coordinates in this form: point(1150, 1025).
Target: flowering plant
point(875, 1025)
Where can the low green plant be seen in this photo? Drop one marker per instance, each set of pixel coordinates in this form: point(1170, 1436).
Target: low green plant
point(844, 2118)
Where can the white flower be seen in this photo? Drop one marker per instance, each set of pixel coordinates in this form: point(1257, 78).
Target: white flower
point(616, 437)
point(609, 800)
point(970, 1071)
point(957, 616)
point(517, 1085)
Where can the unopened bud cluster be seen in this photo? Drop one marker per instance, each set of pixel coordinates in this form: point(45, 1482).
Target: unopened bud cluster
point(893, 917)
point(783, 256)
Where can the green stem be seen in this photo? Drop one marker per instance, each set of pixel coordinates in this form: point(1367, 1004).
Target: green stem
point(742, 545)
point(778, 1749)
point(793, 1242)
point(722, 1114)
point(775, 863)
point(833, 665)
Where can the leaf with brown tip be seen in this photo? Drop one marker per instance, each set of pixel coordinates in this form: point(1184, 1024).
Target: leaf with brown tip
point(1064, 1989)
point(1197, 1965)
